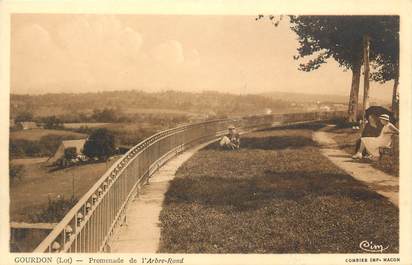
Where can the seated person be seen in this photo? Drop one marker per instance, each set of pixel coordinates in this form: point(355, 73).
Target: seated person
point(231, 140)
point(372, 129)
point(372, 144)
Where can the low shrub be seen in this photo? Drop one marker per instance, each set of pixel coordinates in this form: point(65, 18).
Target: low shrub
point(15, 173)
point(390, 163)
point(55, 210)
point(342, 122)
point(19, 148)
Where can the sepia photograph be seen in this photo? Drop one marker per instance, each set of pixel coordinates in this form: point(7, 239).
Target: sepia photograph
point(179, 134)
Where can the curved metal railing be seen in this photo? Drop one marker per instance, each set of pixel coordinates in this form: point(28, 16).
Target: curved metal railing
point(89, 225)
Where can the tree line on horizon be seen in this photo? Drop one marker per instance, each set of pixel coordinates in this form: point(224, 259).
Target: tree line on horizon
point(127, 101)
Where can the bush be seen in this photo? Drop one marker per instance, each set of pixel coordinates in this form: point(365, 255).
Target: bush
point(70, 153)
point(342, 122)
point(33, 148)
point(390, 163)
point(15, 173)
point(84, 129)
point(52, 122)
point(16, 149)
point(24, 116)
point(55, 211)
point(101, 144)
point(21, 148)
point(105, 115)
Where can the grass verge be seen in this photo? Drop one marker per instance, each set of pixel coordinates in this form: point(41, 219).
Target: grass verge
point(277, 194)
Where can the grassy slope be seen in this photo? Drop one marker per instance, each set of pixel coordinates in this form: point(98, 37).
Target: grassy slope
point(38, 184)
point(36, 134)
point(278, 194)
point(133, 133)
point(78, 125)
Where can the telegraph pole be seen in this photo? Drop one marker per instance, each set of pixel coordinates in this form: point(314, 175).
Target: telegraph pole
point(72, 186)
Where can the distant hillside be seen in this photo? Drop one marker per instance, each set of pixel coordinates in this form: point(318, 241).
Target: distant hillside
point(306, 97)
point(135, 102)
point(301, 97)
point(71, 107)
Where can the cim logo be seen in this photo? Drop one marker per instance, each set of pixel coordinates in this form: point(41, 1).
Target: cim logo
point(369, 246)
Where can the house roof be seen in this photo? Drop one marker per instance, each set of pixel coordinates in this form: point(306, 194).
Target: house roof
point(28, 123)
point(78, 144)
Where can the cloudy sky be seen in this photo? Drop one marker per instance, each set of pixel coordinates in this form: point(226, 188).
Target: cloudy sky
point(81, 53)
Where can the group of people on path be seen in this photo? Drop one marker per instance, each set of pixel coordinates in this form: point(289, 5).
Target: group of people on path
point(369, 146)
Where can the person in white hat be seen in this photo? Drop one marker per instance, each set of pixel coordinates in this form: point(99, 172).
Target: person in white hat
point(372, 144)
point(231, 140)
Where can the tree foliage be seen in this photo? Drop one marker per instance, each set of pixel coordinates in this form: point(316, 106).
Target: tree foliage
point(100, 144)
point(70, 153)
point(15, 172)
point(340, 38)
point(105, 115)
point(386, 64)
point(24, 116)
point(55, 211)
point(52, 122)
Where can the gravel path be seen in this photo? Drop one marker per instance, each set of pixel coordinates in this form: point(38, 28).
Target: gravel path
point(377, 180)
point(141, 233)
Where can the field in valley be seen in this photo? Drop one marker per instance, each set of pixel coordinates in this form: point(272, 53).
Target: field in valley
point(39, 142)
point(37, 134)
point(78, 125)
point(41, 183)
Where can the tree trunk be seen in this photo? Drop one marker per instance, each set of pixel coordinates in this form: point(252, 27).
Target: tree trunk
point(395, 100)
point(365, 77)
point(354, 94)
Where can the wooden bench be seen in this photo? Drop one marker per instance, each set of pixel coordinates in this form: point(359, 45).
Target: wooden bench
point(391, 149)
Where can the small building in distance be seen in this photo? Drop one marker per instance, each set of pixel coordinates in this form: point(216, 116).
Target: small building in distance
point(28, 125)
point(66, 144)
point(324, 108)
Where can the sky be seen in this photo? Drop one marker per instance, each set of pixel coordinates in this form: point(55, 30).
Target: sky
point(52, 53)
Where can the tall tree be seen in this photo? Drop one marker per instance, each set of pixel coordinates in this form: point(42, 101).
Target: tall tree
point(366, 75)
point(341, 38)
point(387, 63)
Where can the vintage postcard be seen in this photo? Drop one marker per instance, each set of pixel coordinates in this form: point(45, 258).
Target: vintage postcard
point(205, 132)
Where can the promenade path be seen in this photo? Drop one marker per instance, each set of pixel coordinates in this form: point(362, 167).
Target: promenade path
point(141, 232)
point(377, 180)
point(281, 174)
